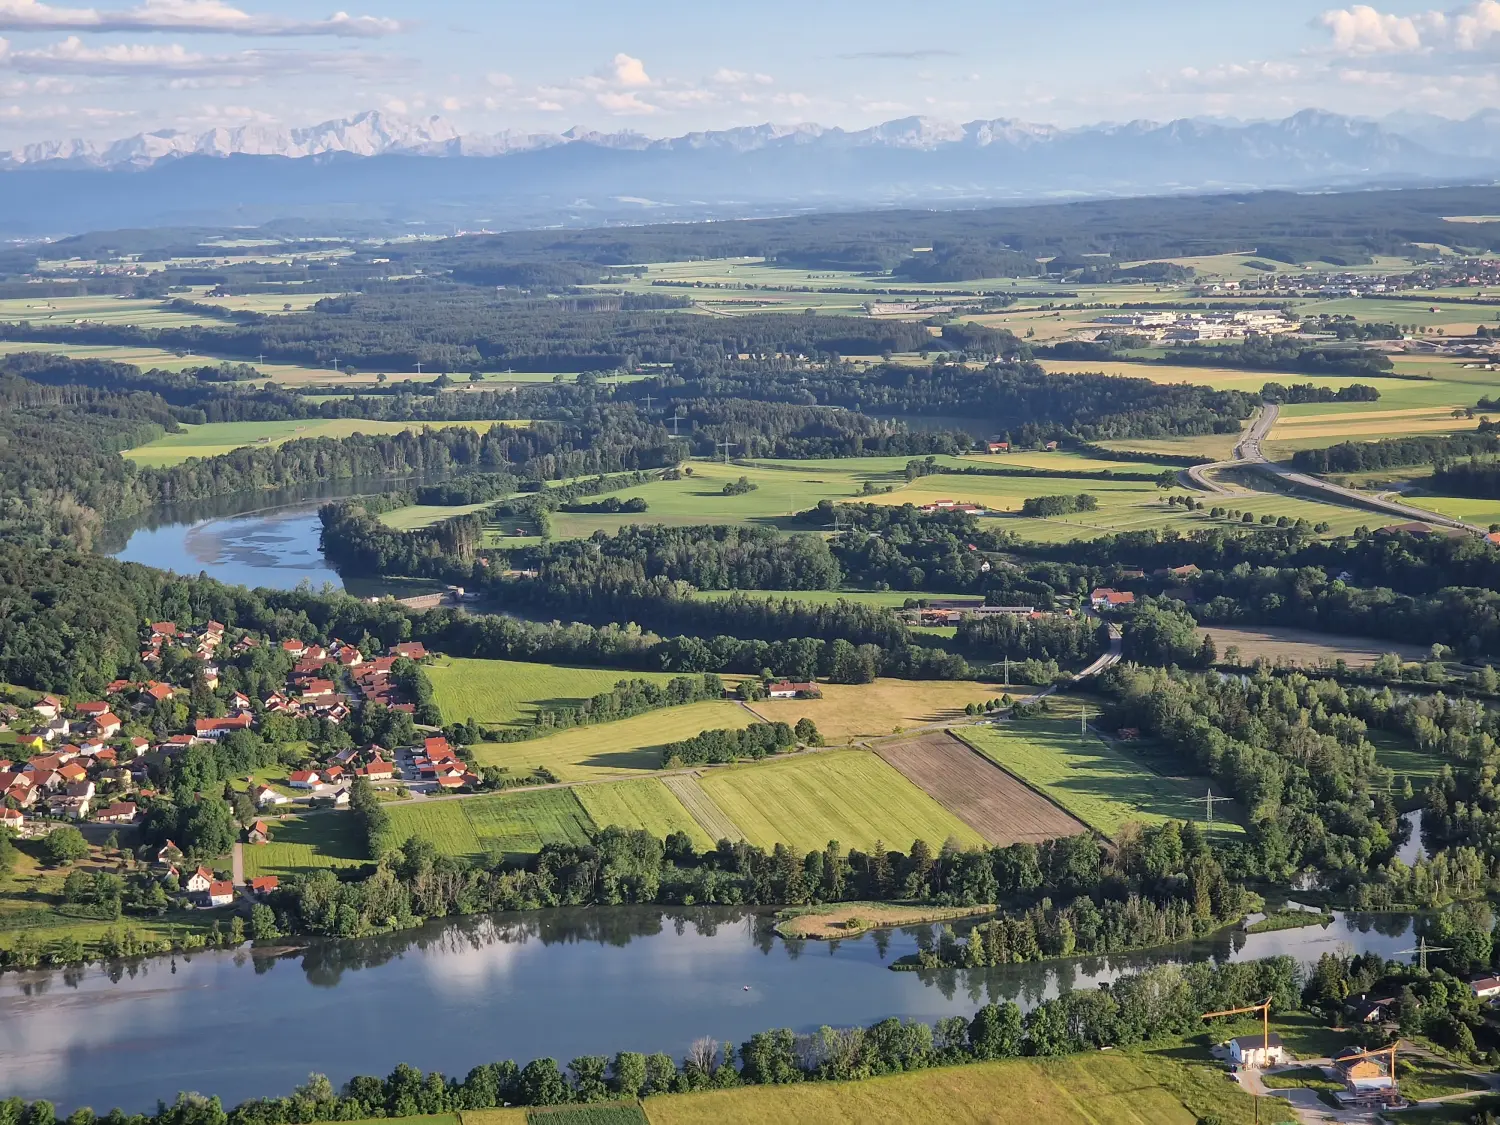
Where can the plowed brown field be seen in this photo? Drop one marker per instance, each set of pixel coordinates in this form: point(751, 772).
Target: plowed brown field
point(992, 802)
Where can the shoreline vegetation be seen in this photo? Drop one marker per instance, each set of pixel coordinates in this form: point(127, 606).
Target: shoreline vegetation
point(1290, 920)
point(850, 919)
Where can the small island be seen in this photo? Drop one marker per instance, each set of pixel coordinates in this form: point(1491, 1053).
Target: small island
point(850, 919)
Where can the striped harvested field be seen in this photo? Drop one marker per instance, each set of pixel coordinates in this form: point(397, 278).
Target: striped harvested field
point(643, 803)
point(710, 817)
point(985, 797)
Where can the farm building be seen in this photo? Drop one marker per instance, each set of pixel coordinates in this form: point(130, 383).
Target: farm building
point(1485, 987)
point(1105, 598)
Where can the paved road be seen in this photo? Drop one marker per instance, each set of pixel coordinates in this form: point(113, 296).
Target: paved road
point(1248, 454)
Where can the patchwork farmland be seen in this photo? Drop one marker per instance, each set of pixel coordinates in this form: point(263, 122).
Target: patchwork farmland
point(988, 799)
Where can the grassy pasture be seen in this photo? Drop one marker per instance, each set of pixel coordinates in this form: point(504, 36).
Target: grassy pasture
point(513, 823)
point(1113, 1088)
point(415, 516)
point(214, 438)
point(643, 803)
point(300, 844)
point(849, 711)
point(1098, 782)
point(1471, 509)
point(611, 749)
point(890, 599)
point(846, 795)
point(1304, 646)
point(510, 691)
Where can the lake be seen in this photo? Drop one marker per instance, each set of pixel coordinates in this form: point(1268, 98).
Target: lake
point(268, 539)
point(560, 983)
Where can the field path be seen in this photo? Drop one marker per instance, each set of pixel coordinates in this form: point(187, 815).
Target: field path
point(702, 807)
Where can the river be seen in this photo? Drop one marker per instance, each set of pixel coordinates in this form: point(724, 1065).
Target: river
point(559, 983)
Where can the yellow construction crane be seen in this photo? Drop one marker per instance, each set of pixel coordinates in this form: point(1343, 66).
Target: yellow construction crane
point(1264, 1008)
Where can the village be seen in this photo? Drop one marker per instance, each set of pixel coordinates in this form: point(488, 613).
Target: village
point(86, 763)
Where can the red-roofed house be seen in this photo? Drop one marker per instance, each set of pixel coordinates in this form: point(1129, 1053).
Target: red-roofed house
point(259, 833)
point(156, 692)
point(13, 819)
point(264, 884)
point(164, 629)
point(1105, 598)
point(412, 650)
point(106, 725)
point(377, 770)
point(48, 707)
point(437, 748)
point(90, 710)
point(199, 881)
point(220, 893)
point(788, 689)
point(303, 779)
point(296, 648)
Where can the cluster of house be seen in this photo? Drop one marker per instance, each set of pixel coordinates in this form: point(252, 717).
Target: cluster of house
point(1199, 326)
point(75, 763)
point(793, 689)
point(1103, 598)
point(202, 886)
point(439, 762)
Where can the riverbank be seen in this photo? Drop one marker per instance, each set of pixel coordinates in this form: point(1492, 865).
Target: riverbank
point(850, 919)
point(1289, 920)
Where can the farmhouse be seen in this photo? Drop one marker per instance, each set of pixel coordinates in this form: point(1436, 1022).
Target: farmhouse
point(264, 795)
point(787, 689)
point(199, 881)
point(215, 729)
point(1256, 1051)
point(1105, 598)
point(303, 779)
point(263, 885)
point(259, 833)
point(220, 893)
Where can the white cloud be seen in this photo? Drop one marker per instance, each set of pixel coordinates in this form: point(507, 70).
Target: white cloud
point(198, 16)
point(500, 81)
point(73, 56)
point(630, 72)
point(1362, 30)
point(624, 103)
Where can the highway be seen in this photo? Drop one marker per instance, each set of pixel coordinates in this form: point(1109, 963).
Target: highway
point(1248, 454)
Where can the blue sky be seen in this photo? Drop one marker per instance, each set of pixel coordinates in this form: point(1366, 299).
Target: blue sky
point(668, 67)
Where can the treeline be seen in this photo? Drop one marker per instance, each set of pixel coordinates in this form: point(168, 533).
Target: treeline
point(1045, 506)
point(1281, 353)
point(1156, 1003)
point(626, 699)
point(1311, 392)
point(1361, 456)
point(1017, 399)
point(1067, 640)
point(715, 747)
point(1467, 478)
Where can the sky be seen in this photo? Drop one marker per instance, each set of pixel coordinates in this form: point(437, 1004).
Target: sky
point(666, 67)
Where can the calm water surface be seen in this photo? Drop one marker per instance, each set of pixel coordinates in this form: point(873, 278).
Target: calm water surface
point(560, 983)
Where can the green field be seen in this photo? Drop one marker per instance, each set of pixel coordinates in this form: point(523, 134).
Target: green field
point(610, 749)
point(511, 823)
point(645, 803)
point(305, 843)
point(846, 795)
point(508, 691)
point(1098, 782)
point(889, 599)
point(222, 437)
point(1113, 1088)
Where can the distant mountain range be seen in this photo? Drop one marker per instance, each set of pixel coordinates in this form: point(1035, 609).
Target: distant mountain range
point(385, 169)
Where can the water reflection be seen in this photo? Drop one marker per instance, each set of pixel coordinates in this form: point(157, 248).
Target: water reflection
point(559, 983)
